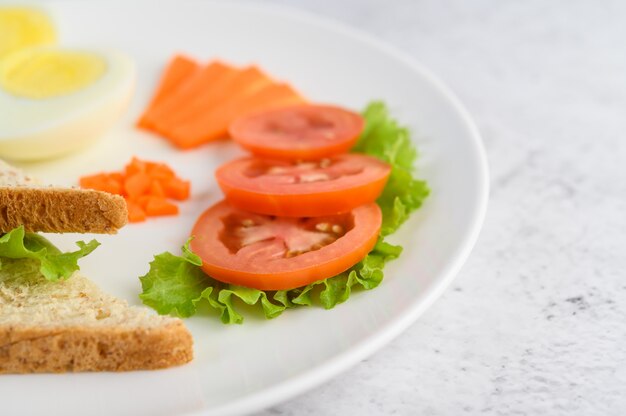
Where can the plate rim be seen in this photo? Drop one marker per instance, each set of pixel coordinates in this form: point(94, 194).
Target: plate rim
point(310, 379)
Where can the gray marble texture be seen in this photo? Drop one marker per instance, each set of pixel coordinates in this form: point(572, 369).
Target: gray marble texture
point(535, 323)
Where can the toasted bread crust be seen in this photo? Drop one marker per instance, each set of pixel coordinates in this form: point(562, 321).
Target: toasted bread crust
point(60, 210)
point(63, 349)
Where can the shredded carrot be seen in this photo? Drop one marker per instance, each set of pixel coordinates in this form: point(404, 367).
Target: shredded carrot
point(145, 186)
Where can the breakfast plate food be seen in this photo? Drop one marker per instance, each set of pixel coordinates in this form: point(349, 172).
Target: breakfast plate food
point(296, 290)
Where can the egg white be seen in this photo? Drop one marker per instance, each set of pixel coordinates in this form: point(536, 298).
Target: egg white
point(33, 129)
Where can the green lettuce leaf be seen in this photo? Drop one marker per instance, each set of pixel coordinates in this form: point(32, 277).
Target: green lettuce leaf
point(385, 139)
point(177, 285)
point(53, 264)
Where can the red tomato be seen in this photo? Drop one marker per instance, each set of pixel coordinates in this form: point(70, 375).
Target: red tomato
point(276, 253)
point(303, 189)
point(302, 131)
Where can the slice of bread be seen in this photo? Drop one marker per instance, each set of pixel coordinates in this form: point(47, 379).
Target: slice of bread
point(73, 326)
point(40, 208)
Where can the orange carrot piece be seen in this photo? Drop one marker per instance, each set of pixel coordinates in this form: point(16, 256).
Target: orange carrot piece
point(113, 186)
point(157, 206)
point(145, 186)
point(135, 166)
point(135, 212)
point(137, 184)
point(214, 124)
point(116, 176)
point(92, 181)
point(106, 182)
point(176, 188)
point(177, 71)
point(156, 189)
point(202, 80)
point(142, 200)
point(239, 83)
point(153, 169)
point(271, 96)
point(160, 171)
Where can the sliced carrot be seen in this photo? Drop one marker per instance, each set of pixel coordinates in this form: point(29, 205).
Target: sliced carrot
point(176, 188)
point(188, 91)
point(160, 206)
point(271, 96)
point(137, 184)
point(214, 124)
point(135, 212)
point(177, 71)
point(201, 105)
point(179, 68)
point(240, 83)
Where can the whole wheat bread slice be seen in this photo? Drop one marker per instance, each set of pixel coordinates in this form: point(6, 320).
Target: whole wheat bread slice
point(73, 326)
point(40, 208)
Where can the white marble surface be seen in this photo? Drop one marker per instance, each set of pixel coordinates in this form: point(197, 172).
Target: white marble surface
point(535, 323)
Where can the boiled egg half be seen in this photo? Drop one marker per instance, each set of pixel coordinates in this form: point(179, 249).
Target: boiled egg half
point(55, 100)
point(21, 27)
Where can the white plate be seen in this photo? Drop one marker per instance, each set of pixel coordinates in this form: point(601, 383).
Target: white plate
point(242, 368)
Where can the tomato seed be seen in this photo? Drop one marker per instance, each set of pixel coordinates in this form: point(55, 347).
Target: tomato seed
point(277, 170)
point(322, 226)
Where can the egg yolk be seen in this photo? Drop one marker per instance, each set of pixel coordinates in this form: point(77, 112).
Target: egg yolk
point(45, 73)
point(21, 27)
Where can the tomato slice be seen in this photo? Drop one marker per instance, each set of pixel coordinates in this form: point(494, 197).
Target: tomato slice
point(303, 189)
point(276, 253)
point(302, 131)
